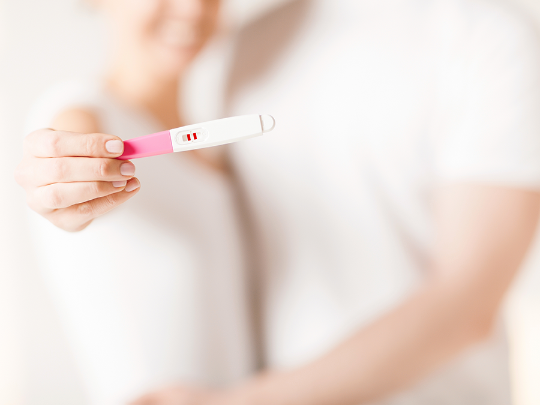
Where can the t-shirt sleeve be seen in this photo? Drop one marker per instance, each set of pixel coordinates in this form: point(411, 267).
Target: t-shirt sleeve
point(490, 103)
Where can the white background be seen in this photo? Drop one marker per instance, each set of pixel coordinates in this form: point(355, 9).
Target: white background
point(42, 42)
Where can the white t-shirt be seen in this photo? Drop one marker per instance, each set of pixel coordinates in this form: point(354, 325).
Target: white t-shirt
point(152, 293)
point(377, 102)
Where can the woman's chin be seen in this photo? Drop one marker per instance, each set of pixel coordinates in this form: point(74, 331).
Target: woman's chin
point(176, 59)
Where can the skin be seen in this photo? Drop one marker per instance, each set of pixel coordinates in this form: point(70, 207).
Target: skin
point(71, 178)
point(67, 172)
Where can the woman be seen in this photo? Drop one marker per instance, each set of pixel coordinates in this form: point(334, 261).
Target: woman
point(152, 292)
point(393, 204)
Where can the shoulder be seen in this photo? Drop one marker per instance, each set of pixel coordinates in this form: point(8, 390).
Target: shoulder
point(485, 45)
point(68, 105)
point(76, 120)
point(488, 21)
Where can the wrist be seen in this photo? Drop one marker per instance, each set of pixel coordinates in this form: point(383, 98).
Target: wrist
point(259, 390)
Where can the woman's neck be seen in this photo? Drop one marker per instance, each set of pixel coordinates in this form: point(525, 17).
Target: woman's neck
point(136, 84)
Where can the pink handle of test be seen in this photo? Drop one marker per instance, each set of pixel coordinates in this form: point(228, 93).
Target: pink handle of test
point(148, 145)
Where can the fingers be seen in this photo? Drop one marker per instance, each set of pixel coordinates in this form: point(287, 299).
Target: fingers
point(179, 396)
point(75, 169)
point(145, 400)
point(76, 217)
point(73, 178)
point(164, 399)
point(63, 195)
point(166, 396)
point(48, 143)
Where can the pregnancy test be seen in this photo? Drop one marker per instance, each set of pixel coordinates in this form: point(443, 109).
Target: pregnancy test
point(198, 136)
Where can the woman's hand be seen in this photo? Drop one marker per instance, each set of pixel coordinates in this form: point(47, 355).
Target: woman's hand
point(183, 395)
point(72, 178)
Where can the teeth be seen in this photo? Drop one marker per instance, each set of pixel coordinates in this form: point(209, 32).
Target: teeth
point(179, 34)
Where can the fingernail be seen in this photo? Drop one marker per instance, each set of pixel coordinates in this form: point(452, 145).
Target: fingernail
point(114, 146)
point(119, 183)
point(127, 169)
point(133, 185)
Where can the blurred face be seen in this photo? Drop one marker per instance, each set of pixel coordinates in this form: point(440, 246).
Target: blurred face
point(166, 34)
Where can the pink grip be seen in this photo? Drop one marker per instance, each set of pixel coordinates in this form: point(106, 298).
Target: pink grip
point(148, 145)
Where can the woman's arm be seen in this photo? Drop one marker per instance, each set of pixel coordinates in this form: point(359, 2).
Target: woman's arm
point(483, 233)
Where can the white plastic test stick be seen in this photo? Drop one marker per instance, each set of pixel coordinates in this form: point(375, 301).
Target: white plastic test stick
point(205, 135)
